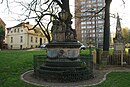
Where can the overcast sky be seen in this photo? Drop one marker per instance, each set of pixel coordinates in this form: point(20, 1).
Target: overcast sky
point(117, 6)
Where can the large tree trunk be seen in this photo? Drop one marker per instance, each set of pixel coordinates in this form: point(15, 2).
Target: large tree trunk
point(106, 26)
point(65, 5)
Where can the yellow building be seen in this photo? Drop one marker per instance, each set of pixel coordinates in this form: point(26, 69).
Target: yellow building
point(22, 36)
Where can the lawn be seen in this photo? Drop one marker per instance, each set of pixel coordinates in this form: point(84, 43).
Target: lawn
point(14, 63)
point(116, 79)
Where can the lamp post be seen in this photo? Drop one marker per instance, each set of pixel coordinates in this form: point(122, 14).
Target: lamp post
point(95, 23)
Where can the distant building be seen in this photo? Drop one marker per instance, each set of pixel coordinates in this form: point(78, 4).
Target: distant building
point(89, 24)
point(22, 36)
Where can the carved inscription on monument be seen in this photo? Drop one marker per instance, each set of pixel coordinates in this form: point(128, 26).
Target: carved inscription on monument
point(119, 47)
point(72, 53)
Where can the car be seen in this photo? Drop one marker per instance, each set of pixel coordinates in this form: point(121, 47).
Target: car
point(83, 47)
point(43, 45)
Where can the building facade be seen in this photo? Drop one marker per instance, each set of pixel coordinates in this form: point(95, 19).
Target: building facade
point(89, 21)
point(22, 36)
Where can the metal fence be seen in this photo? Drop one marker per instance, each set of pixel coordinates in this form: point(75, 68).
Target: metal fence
point(63, 70)
point(38, 60)
point(85, 60)
point(115, 58)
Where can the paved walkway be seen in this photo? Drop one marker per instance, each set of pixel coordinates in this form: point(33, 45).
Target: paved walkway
point(100, 76)
point(35, 49)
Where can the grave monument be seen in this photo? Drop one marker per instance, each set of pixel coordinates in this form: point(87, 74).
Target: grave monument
point(119, 41)
point(63, 62)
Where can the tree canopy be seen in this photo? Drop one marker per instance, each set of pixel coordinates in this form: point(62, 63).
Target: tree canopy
point(126, 34)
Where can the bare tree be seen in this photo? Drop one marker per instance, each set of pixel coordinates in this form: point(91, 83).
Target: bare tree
point(40, 9)
point(43, 12)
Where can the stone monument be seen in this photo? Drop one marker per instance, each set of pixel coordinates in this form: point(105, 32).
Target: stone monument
point(119, 41)
point(63, 62)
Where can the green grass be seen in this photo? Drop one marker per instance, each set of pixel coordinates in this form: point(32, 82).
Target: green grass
point(116, 79)
point(14, 63)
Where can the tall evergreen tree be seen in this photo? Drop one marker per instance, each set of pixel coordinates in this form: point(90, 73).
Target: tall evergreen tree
point(2, 34)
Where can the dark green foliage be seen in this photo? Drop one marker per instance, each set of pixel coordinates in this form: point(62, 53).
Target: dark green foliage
point(2, 33)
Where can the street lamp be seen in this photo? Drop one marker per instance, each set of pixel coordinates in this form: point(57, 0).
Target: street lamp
point(92, 11)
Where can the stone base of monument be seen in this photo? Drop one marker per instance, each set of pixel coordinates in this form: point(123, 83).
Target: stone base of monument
point(63, 64)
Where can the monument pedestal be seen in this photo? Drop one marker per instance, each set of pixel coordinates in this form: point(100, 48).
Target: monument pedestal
point(63, 52)
point(63, 64)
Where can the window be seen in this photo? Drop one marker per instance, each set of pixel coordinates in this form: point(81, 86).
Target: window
point(14, 30)
point(94, 5)
point(83, 22)
point(8, 31)
point(21, 39)
point(83, 31)
point(83, 2)
point(82, 35)
point(89, 22)
point(94, 0)
point(83, 27)
point(36, 40)
point(100, 17)
point(11, 40)
point(89, 2)
point(31, 39)
point(11, 46)
point(88, 5)
point(18, 31)
point(31, 46)
point(89, 27)
point(100, 4)
point(83, 10)
point(100, 21)
point(83, 6)
point(82, 19)
point(93, 31)
point(44, 40)
point(99, 0)
point(21, 47)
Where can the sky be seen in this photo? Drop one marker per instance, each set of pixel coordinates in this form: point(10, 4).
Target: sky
point(117, 6)
point(123, 10)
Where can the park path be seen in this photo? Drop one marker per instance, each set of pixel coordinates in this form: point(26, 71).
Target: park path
point(100, 76)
